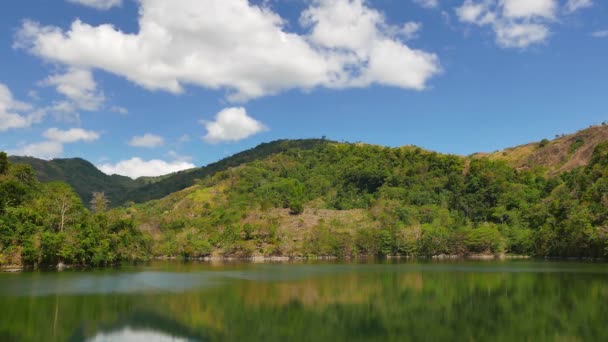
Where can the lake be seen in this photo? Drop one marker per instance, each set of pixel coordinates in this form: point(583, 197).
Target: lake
point(511, 300)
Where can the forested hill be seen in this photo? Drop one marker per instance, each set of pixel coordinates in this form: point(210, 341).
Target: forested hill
point(353, 199)
point(83, 176)
point(318, 198)
point(563, 153)
point(184, 179)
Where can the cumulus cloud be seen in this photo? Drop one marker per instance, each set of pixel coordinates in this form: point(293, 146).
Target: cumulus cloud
point(71, 135)
point(529, 8)
point(231, 124)
point(53, 146)
point(98, 4)
point(240, 47)
point(427, 3)
point(16, 114)
point(575, 5)
point(517, 23)
point(137, 167)
point(410, 30)
point(147, 140)
point(79, 88)
point(42, 150)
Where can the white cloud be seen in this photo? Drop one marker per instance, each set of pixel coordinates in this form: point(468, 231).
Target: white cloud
point(427, 3)
point(70, 135)
point(80, 89)
point(239, 47)
point(516, 23)
point(16, 114)
point(98, 4)
point(136, 167)
point(231, 124)
point(368, 40)
point(529, 8)
point(42, 150)
point(520, 35)
point(470, 12)
point(600, 34)
point(147, 140)
point(410, 30)
point(575, 5)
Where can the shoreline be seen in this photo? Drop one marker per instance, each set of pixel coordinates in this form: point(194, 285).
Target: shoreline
point(286, 259)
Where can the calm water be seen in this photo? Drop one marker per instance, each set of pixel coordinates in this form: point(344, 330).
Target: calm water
point(427, 301)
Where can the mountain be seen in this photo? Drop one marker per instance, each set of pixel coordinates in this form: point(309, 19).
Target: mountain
point(554, 156)
point(83, 176)
point(564, 153)
point(345, 200)
point(302, 198)
point(183, 179)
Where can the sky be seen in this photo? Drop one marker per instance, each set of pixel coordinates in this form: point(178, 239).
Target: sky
point(148, 87)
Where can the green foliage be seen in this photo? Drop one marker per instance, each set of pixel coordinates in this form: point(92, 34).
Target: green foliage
point(485, 239)
point(3, 163)
point(45, 224)
point(405, 200)
point(543, 143)
point(578, 143)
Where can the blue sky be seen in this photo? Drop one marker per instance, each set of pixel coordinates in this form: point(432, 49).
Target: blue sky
point(152, 86)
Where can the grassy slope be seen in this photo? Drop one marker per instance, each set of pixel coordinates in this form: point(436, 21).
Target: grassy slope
point(561, 154)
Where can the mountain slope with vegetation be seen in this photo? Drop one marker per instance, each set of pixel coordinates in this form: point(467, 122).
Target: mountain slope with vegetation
point(311, 198)
point(353, 199)
point(85, 178)
point(564, 153)
point(184, 179)
point(81, 175)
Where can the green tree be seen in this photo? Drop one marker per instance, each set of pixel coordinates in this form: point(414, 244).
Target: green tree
point(3, 163)
point(62, 205)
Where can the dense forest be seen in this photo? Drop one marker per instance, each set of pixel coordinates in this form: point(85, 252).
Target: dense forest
point(320, 198)
point(47, 224)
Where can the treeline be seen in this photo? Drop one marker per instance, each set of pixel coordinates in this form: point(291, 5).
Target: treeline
point(416, 203)
point(47, 224)
point(373, 200)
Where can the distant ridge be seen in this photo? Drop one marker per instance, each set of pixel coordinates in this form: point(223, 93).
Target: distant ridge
point(563, 153)
point(85, 178)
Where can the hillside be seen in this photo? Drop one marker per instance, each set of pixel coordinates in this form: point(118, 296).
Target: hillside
point(351, 199)
point(83, 176)
point(564, 153)
point(184, 179)
point(318, 198)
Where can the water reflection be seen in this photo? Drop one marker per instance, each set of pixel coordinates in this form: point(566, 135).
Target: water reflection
point(129, 335)
point(392, 302)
